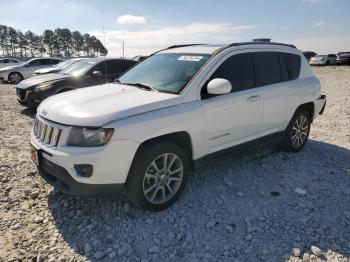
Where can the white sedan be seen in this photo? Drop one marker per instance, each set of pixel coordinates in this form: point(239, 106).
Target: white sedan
point(323, 60)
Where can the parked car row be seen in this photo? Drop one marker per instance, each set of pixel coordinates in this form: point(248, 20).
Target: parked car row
point(17, 72)
point(341, 58)
point(180, 107)
point(83, 73)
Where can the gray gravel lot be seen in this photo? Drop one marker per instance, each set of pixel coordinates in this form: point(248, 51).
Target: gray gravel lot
point(264, 205)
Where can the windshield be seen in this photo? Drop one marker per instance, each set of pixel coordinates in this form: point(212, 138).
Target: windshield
point(320, 56)
point(79, 68)
point(65, 64)
point(168, 72)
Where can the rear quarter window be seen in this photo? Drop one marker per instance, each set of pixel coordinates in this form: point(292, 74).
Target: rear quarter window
point(293, 63)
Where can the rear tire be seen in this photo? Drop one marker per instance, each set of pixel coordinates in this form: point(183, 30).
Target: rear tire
point(158, 176)
point(15, 77)
point(297, 132)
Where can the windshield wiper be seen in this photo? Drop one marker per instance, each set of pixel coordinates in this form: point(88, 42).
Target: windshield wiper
point(138, 85)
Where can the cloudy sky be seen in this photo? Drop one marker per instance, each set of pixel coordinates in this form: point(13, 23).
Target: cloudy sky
point(145, 26)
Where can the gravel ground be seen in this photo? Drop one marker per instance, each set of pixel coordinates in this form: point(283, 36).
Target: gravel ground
point(262, 206)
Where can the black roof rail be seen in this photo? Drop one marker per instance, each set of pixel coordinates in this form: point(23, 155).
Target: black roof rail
point(174, 46)
point(177, 46)
point(260, 43)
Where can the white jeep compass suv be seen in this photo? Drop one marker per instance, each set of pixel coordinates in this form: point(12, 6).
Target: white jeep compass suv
point(180, 106)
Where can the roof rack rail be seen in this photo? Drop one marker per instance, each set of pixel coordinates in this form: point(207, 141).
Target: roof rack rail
point(177, 46)
point(260, 43)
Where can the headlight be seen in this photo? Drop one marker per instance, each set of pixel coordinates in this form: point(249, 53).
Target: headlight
point(43, 87)
point(83, 136)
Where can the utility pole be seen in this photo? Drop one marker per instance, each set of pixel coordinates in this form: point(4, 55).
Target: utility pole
point(123, 49)
point(104, 37)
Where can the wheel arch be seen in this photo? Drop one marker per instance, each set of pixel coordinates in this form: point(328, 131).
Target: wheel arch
point(309, 107)
point(14, 72)
point(180, 138)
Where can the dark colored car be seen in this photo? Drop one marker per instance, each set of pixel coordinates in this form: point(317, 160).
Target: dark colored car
point(343, 58)
point(87, 72)
point(309, 54)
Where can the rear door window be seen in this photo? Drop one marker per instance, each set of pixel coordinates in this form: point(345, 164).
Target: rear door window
point(51, 61)
point(268, 68)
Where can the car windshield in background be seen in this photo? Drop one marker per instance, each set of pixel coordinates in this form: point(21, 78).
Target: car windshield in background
point(78, 68)
point(64, 64)
point(320, 56)
point(168, 72)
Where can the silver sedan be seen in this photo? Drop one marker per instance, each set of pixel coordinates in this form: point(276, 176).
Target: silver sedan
point(16, 74)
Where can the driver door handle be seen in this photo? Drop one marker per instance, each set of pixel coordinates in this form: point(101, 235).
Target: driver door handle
point(254, 98)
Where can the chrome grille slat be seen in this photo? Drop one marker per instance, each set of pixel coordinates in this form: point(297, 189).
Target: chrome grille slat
point(46, 133)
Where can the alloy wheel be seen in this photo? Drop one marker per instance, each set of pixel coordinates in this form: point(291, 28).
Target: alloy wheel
point(300, 131)
point(15, 78)
point(163, 178)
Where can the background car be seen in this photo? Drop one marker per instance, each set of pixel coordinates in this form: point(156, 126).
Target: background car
point(87, 72)
point(343, 58)
point(8, 62)
point(329, 59)
point(309, 54)
point(16, 74)
point(58, 67)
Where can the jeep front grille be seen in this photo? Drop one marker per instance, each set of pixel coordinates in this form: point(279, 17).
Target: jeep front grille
point(46, 133)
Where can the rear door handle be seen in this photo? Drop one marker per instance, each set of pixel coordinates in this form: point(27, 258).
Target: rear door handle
point(253, 98)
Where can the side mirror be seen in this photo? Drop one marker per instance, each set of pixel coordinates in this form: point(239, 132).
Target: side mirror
point(96, 73)
point(219, 86)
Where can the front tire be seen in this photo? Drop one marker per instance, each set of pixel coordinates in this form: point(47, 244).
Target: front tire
point(15, 78)
point(297, 132)
point(158, 176)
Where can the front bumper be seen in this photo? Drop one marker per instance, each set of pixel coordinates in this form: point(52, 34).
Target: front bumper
point(317, 62)
point(28, 96)
point(60, 179)
point(110, 162)
point(4, 76)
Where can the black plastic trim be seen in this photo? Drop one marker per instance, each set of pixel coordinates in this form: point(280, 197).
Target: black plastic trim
point(271, 139)
point(261, 43)
point(323, 97)
point(60, 179)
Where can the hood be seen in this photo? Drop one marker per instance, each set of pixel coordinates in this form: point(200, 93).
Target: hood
point(98, 105)
point(39, 79)
point(47, 70)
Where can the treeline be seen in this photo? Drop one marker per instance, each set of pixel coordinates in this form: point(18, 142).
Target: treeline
point(60, 42)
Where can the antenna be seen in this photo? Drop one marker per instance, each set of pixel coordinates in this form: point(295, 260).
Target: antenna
point(123, 49)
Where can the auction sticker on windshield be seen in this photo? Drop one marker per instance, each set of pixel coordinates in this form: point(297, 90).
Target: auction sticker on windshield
point(190, 58)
